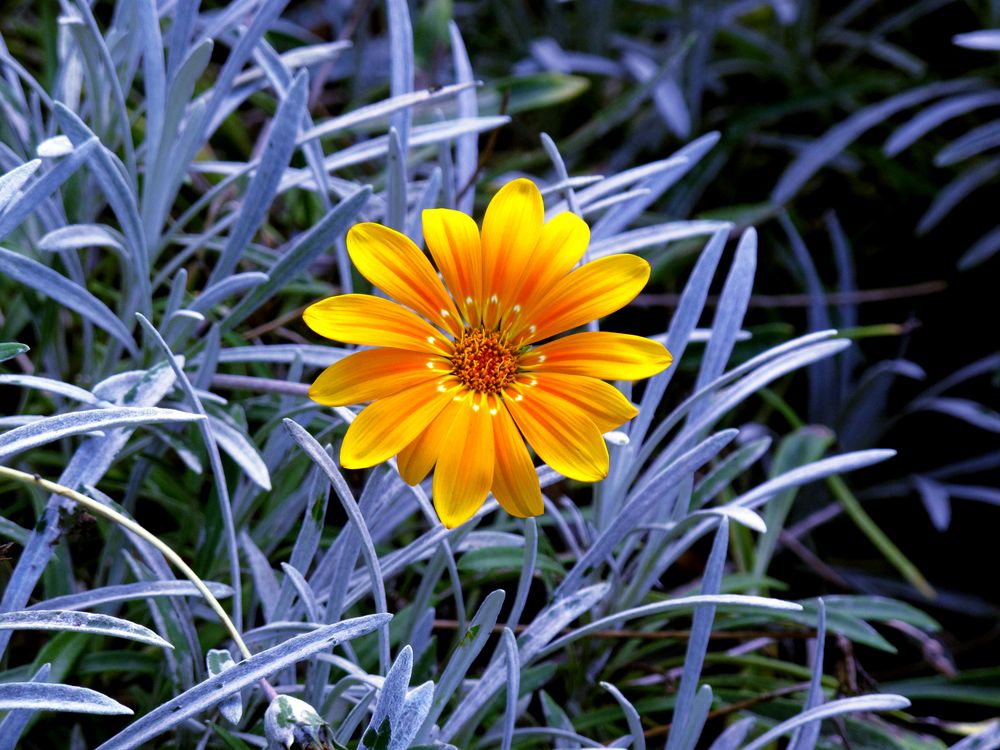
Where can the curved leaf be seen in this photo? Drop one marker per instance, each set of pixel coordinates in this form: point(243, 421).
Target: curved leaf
point(63, 425)
point(82, 622)
point(214, 690)
point(68, 293)
point(41, 696)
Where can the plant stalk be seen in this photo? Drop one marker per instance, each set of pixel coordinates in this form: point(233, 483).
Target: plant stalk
point(128, 524)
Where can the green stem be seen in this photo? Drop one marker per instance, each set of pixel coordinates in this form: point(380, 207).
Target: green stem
point(892, 553)
point(127, 523)
point(772, 399)
point(852, 507)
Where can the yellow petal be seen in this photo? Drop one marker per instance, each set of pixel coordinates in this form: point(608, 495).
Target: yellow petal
point(453, 239)
point(562, 243)
point(388, 425)
point(390, 261)
point(373, 321)
point(588, 293)
point(464, 470)
point(603, 403)
point(511, 229)
point(374, 373)
point(515, 482)
point(561, 433)
point(417, 459)
point(600, 354)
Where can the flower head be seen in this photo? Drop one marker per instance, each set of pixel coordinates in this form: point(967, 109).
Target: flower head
point(458, 379)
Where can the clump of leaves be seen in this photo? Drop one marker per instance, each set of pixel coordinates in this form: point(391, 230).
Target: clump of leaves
point(176, 184)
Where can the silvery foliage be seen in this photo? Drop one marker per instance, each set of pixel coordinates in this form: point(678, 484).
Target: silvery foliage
point(853, 400)
point(147, 379)
point(928, 107)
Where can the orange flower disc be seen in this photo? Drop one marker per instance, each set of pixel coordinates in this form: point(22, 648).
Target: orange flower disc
point(483, 361)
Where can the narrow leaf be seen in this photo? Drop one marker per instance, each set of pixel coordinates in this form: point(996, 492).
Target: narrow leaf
point(257, 200)
point(54, 285)
point(129, 592)
point(840, 136)
point(513, 687)
point(214, 690)
point(63, 425)
point(40, 696)
point(82, 622)
point(831, 709)
point(217, 661)
point(12, 182)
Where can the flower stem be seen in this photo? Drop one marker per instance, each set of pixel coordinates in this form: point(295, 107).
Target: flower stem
point(128, 524)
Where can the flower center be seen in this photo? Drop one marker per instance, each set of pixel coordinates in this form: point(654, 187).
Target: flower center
point(483, 362)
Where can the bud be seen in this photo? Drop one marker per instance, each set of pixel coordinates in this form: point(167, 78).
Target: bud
point(290, 722)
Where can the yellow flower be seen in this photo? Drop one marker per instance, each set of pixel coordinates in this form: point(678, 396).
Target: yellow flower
point(457, 379)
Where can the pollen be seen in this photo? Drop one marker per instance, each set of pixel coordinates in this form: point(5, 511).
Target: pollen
point(483, 361)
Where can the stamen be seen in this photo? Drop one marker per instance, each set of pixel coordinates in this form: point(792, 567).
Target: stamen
point(483, 361)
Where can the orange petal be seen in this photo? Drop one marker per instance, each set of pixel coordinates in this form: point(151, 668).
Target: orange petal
point(464, 470)
point(417, 459)
point(511, 229)
point(562, 434)
point(600, 354)
point(515, 482)
point(603, 403)
point(388, 425)
point(390, 261)
point(453, 239)
point(374, 373)
point(588, 293)
point(373, 321)
point(563, 241)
